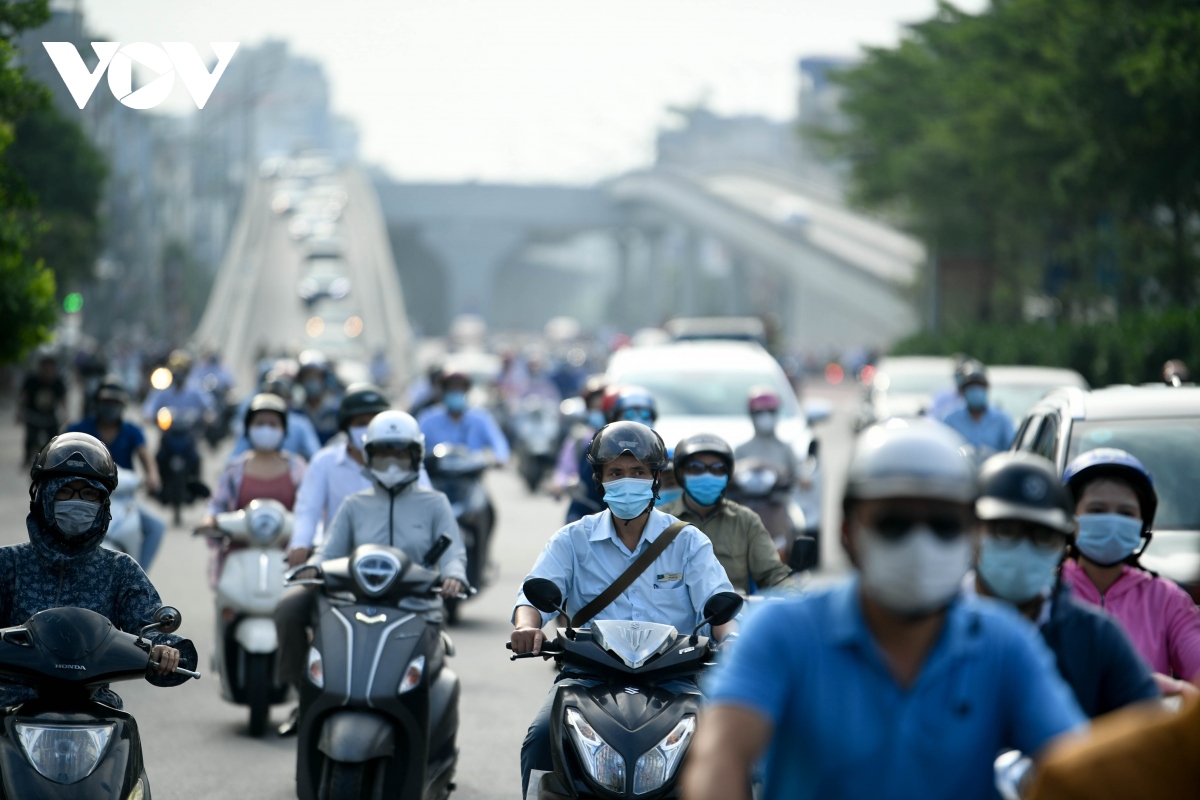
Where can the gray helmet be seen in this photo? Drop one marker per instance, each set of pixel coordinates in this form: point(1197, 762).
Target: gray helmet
point(919, 459)
point(266, 401)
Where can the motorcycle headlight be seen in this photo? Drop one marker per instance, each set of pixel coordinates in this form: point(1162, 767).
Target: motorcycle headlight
point(316, 668)
point(756, 481)
point(658, 764)
point(605, 765)
point(412, 675)
point(264, 523)
point(64, 753)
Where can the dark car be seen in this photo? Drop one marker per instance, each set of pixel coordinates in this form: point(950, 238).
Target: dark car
point(1161, 427)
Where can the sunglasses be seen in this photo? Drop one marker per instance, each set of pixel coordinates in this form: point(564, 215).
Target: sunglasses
point(717, 468)
point(1011, 531)
point(896, 526)
point(88, 493)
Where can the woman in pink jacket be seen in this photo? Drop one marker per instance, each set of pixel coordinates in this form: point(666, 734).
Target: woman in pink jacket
point(1115, 503)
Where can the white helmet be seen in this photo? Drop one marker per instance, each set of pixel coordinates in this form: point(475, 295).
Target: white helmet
point(919, 459)
point(398, 429)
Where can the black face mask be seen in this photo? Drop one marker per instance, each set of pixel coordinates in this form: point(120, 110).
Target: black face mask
point(109, 412)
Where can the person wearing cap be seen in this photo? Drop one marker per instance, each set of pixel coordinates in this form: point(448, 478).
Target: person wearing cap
point(125, 441)
point(1027, 519)
point(703, 464)
point(985, 427)
point(453, 422)
point(951, 398)
point(1115, 501)
point(63, 564)
point(336, 471)
point(892, 683)
point(584, 558)
point(765, 445)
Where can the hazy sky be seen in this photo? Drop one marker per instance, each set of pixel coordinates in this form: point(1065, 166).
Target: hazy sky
point(528, 90)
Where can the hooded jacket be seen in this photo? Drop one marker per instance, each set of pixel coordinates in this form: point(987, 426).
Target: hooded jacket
point(53, 571)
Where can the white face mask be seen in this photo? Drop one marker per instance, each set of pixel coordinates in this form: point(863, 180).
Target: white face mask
point(764, 423)
point(917, 573)
point(265, 437)
point(394, 476)
point(357, 434)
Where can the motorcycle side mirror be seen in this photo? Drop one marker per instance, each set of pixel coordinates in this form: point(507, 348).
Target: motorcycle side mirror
point(544, 595)
point(437, 551)
point(199, 490)
point(167, 619)
point(720, 609)
point(804, 554)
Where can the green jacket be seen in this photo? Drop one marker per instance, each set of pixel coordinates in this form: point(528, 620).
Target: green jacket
point(740, 541)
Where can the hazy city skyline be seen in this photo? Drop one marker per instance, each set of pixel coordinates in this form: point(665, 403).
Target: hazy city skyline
point(529, 91)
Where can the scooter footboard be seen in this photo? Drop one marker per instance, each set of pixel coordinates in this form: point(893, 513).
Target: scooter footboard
point(354, 737)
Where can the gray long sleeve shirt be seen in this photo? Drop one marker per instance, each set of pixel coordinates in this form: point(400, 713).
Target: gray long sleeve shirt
point(411, 520)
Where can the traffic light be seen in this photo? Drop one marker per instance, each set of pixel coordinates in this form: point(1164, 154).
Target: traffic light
point(73, 303)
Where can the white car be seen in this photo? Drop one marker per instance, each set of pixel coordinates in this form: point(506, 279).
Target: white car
point(905, 386)
point(704, 387)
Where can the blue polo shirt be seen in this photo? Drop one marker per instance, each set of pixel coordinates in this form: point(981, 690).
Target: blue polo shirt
point(476, 429)
point(843, 727)
point(992, 432)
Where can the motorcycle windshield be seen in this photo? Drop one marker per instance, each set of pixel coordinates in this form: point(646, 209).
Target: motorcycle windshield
point(634, 643)
point(71, 645)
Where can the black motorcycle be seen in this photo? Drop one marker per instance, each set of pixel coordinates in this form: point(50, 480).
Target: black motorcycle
point(65, 745)
point(178, 459)
point(458, 473)
point(627, 736)
point(379, 710)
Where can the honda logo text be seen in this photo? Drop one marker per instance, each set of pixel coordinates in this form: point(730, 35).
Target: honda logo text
point(165, 61)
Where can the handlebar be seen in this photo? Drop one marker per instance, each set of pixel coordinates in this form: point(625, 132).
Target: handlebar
point(180, 670)
point(543, 654)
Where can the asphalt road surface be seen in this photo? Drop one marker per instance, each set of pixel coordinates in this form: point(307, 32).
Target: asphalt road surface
point(196, 744)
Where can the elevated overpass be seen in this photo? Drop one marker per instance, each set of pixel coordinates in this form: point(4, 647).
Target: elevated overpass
point(254, 306)
point(831, 275)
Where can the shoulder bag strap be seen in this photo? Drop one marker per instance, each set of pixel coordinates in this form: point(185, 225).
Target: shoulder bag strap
point(626, 578)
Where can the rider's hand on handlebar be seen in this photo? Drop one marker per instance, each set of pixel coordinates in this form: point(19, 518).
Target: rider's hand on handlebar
point(298, 555)
point(167, 658)
point(452, 587)
point(527, 640)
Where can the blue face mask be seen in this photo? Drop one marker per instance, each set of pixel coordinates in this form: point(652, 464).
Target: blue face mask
point(596, 419)
point(706, 489)
point(976, 397)
point(628, 497)
point(669, 495)
point(455, 401)
point(1017, 571)
point(1108, 538)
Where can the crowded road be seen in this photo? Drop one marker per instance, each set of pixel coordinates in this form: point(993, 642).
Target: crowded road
point(196, 744)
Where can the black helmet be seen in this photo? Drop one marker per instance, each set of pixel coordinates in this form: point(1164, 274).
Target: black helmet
point(112, 389)
point(618, 438)
point(1026, 487)
point(973, 372)
point(75, 455)
point(278, 383)
point(266, 401)
point(361, 398)
point(701, 443)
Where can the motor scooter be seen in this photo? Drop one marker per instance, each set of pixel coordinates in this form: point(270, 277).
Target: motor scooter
point(248, 590)
point(458, 473)
point(125, 528)
point(378, 708)
point(64, 745)
point(538, 433)
point(764, 488)
point(179, 459)
point(627, 736)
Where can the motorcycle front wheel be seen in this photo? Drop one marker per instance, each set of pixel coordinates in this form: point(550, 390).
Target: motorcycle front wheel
point(259, 687)
point(342, 781)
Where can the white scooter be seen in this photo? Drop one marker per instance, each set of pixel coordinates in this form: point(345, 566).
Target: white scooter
point(248, 589)
point(125, 530)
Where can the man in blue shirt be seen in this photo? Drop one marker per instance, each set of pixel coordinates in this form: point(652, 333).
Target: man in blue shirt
point(989, 430)
point(586, 557)
point(892, 684)
point(452, 422)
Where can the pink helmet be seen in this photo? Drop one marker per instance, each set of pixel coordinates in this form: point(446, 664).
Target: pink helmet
point(764, 398)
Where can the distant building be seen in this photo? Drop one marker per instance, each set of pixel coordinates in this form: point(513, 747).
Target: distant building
point(707, 139)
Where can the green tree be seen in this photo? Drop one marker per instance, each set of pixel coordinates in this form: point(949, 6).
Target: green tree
point(26, 286)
